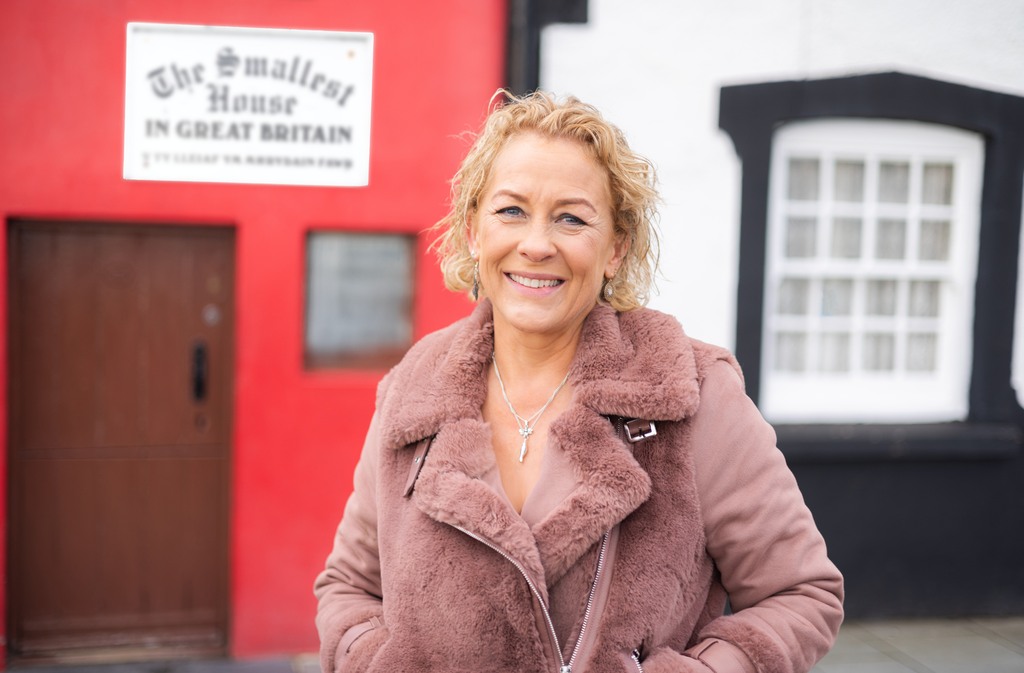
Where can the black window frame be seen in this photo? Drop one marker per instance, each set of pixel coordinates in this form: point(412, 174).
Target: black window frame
point(750, 115)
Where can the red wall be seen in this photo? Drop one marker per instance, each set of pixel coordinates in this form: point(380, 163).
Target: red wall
point(296, 433)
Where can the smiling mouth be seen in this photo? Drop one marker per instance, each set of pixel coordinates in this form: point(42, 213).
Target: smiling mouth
point(534, 282)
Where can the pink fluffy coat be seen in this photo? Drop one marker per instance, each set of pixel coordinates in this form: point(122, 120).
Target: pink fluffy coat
point(707, 509)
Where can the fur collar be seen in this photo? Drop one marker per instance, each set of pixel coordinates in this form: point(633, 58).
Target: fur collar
point(638, 364)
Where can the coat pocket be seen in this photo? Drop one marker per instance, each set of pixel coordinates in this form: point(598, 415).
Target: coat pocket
point(354, 637)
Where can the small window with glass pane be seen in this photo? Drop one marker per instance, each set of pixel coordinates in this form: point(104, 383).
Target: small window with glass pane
point(359, 292)
point(872, 247)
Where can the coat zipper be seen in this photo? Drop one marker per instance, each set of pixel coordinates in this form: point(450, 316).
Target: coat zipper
point(562, 666)
point(590, 602)
point(636, 660)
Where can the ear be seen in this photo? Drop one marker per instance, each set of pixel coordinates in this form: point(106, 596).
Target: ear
point(471, 237)
point(619, 250)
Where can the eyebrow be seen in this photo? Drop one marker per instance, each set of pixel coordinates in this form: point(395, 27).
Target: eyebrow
point(579, 201)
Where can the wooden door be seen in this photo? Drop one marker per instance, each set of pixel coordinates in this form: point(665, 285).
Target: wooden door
point(121, 387)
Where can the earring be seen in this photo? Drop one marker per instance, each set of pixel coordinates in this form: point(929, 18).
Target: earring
point(476, 280)
point(608, 289)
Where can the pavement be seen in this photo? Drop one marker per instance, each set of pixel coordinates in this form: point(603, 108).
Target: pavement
point(981, 645)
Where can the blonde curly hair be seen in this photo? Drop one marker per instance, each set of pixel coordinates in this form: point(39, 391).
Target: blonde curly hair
point(631, 180)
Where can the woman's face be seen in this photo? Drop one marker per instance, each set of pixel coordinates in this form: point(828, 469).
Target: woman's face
point(544, 235)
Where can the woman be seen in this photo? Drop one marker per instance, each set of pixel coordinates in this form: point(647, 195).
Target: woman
point(564, 481)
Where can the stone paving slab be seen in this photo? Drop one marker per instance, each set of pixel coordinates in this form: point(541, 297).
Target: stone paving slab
point(988, 645)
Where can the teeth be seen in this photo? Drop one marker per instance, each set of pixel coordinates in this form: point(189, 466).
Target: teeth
point(533, 282)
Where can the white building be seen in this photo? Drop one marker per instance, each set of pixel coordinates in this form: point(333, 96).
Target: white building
point(842, 206)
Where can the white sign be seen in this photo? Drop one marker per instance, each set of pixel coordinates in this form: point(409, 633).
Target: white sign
point(247, 105)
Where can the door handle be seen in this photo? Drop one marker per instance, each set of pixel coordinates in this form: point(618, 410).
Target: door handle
point(200, 371)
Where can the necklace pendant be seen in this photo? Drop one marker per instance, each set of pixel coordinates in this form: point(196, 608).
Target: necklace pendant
point(526, 425)
point(524, 431)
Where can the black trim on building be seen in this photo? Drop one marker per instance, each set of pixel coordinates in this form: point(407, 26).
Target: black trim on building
point(923, 519)
point(526, 18)
point(750, 114)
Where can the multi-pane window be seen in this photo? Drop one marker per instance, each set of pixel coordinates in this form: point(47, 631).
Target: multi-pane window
point(358, 299)
point(870, 268)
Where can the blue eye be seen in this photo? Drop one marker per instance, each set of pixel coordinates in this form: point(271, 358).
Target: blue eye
point(510, 210)
point(572, 219)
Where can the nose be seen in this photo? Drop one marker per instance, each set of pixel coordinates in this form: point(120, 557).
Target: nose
point(536, 243)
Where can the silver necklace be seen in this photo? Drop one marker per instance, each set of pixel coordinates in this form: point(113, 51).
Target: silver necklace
point(526, 425)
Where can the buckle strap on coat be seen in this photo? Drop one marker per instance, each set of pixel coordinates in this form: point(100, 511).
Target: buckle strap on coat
point(634, 430)
point(638, 430)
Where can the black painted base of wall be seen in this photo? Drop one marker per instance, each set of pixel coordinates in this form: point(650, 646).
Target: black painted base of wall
point(923, 537)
